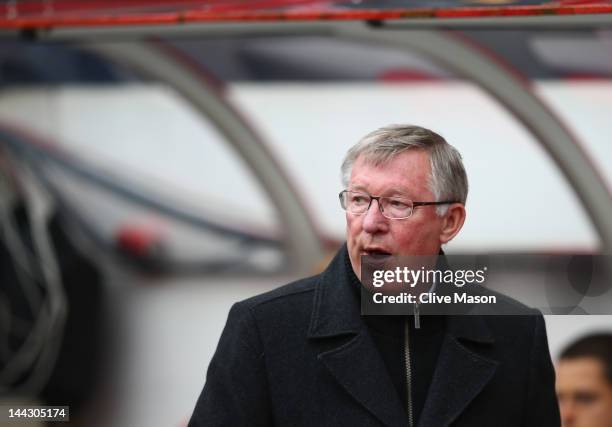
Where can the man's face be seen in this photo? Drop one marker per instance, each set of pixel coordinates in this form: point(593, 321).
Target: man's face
point(585, 397)
point(405, 175)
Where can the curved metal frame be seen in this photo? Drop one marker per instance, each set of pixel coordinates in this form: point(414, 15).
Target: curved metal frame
point(303, 243)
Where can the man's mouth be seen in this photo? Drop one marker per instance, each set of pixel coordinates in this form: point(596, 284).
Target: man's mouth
point(376, 253)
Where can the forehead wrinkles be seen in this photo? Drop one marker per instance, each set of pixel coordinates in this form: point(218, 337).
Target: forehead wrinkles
point(379, 157)
point(384, 152)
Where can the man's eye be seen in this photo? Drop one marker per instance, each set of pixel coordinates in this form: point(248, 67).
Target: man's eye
point(397, 204)
point(358, 199)
point(585, 398)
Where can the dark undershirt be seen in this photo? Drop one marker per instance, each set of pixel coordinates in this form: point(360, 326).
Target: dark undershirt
point(388, 335)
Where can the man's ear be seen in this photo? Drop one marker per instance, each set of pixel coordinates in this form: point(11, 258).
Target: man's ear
point(452, 222)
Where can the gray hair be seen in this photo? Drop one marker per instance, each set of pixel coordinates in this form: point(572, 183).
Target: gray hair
point(448, 180)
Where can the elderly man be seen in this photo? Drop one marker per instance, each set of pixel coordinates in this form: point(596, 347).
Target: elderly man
point(303, 355)
point(584, 382)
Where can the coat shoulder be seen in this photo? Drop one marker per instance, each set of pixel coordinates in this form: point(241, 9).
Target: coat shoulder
point(294, 298)
point(504, 305)
point(289, 291)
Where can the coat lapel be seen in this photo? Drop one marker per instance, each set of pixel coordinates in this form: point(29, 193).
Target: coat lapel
point(358, 367)
point(461, 374)
point(355, 364)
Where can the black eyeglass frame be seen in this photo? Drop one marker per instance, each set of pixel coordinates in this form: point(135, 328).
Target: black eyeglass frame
point(377, 198)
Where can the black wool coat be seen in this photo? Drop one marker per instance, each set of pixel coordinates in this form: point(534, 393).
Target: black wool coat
point(301, 355)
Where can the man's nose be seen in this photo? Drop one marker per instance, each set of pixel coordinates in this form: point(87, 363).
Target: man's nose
point(568, 414)
point(373, 220)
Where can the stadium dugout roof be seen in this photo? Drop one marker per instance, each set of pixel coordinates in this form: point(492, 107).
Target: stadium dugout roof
point(47, 14)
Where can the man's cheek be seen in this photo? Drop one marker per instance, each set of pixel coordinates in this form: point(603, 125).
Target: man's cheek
point(352, 226)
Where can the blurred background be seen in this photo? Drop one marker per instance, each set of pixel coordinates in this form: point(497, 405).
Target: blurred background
point(152, 176)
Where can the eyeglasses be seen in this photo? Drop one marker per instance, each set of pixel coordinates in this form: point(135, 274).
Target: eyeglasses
point(391, 207)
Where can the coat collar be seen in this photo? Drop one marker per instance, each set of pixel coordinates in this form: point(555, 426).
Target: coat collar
point(356, 364)
point(337, 308)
